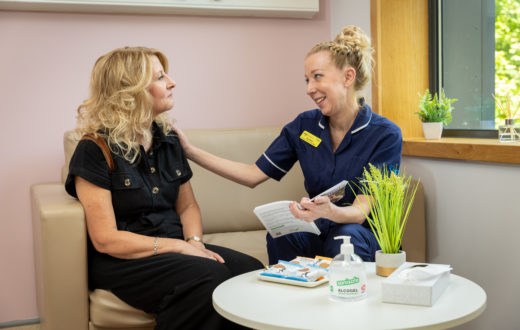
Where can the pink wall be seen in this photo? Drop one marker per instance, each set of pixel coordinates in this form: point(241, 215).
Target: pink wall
point(230, 72)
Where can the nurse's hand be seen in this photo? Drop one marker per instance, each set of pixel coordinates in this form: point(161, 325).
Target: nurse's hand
point(320, 207)
point(185, 143)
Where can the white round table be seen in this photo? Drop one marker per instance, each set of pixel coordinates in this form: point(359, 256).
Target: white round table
point(258, 304)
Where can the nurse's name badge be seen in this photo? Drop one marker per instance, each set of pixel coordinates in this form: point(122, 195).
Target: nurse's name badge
point(310, 139)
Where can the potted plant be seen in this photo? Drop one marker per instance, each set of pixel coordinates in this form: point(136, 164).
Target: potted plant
point(435, 111)
point(509, 131)
point(391, 194)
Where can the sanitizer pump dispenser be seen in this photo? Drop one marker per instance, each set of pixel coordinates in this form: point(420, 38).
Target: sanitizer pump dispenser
point(347, 274)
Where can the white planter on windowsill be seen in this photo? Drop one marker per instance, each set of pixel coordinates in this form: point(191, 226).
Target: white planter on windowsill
point(432, 131)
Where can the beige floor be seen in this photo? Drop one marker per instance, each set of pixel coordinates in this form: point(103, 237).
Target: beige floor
point(25, 327)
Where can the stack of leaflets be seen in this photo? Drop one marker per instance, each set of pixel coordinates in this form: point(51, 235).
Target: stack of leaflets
point(299, 269)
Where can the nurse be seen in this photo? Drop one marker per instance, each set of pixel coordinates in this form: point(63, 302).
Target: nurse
point(332, 143)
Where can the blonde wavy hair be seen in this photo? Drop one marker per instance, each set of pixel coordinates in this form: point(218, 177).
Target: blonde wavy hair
point(350, 47)
point(119, 107)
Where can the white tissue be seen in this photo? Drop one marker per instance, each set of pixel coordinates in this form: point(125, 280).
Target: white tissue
point(416, 284)
point(426, 273)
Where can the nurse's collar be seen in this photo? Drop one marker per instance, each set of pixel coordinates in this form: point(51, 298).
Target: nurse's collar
point(362, 119)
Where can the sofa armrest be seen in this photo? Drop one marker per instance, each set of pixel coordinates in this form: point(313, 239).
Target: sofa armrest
point(60, 253)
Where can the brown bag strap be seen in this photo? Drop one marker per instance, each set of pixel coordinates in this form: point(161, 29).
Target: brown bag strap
point(103, 146)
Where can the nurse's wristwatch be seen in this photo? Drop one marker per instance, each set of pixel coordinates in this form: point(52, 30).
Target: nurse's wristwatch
point(194, 238)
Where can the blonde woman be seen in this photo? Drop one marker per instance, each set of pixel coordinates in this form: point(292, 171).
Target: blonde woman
point(144, 224)
point(332, 143)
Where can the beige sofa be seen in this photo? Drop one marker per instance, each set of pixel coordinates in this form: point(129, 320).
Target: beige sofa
point(64, 301)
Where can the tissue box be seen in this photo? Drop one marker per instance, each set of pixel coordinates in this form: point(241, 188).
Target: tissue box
point(418, 292)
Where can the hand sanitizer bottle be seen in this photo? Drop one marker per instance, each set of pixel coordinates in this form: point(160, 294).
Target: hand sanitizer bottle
point(347, 274)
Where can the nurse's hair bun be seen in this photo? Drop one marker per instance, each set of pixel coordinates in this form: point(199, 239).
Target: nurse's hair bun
point(350, 47)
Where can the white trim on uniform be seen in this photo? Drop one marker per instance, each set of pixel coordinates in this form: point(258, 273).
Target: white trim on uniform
point(364, 126)
point(272, 163)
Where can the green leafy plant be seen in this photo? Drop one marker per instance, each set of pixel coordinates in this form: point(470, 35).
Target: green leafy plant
point(435, 108)
point(391, 196)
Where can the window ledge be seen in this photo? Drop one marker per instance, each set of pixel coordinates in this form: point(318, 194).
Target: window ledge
point(487, 150)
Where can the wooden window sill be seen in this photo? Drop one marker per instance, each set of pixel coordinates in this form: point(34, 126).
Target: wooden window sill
point(487, 150)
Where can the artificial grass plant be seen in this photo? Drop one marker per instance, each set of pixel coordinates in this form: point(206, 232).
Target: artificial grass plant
point(391, 196)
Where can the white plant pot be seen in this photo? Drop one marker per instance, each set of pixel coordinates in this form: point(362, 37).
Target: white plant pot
point(386, 263)
point(432, 131)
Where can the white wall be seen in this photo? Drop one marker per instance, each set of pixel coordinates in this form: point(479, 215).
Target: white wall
point(473, 222)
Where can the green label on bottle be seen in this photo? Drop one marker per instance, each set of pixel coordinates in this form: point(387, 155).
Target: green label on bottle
point(348, 281)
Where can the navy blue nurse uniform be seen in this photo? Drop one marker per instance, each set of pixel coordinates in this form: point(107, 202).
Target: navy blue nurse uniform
point(371, 139)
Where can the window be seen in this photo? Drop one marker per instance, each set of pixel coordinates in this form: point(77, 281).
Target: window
point(474, 54)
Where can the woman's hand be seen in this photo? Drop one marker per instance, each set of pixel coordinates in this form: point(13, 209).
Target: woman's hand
point(320, 207)
point(203, 252)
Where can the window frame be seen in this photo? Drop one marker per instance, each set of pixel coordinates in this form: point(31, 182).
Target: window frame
point(394, 25)
point(435, 70)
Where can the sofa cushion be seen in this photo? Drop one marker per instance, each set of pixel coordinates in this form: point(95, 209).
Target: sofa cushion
point(225, 205)
point(251, 242)
point(108, 311)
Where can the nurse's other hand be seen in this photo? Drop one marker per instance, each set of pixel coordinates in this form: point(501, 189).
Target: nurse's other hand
point(320, 207)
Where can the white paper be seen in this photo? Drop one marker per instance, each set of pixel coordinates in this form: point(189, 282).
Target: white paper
point(278, 219)
point(426, 273)
point(334, 193)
